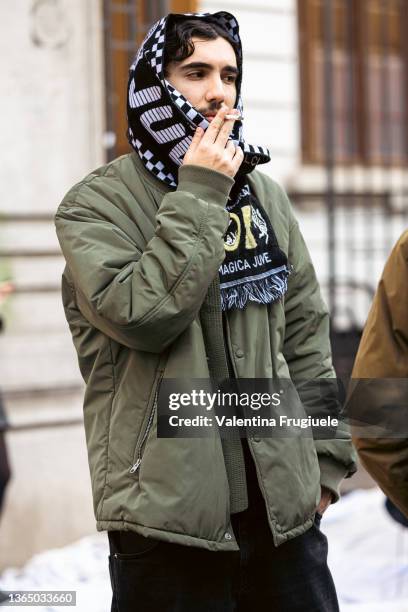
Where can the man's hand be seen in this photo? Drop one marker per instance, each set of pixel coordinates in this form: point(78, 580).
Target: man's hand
point(212, 149)
point(326, 499)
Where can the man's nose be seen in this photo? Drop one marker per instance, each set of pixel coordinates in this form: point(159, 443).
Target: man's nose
point(215, 91)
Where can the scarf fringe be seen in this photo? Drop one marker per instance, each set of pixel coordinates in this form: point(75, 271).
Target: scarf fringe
point(263, 291)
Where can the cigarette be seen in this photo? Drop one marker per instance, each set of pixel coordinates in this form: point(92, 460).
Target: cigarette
point(238, 117)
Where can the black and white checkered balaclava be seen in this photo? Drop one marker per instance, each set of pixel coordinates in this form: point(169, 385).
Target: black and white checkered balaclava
point(161, 125)
point(152, 100)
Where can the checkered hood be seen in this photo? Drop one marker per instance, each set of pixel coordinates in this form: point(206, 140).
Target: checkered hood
point(161, 121)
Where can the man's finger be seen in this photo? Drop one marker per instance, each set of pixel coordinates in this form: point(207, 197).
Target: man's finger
point(216, 124)
point(238, 158)
point(198, 134)
point(231, 147)
point(225, 130)
point(238, 152)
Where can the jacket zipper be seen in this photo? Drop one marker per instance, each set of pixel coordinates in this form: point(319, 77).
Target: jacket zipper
point(225, 337)
point(136, 465)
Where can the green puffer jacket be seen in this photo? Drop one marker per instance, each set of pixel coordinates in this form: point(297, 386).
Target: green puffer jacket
point(139, 261)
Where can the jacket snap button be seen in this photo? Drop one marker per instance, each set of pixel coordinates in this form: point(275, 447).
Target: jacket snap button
point(228, 536)
point(239, 353)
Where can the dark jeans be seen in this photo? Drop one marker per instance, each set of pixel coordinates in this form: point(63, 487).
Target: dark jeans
point(152, 576)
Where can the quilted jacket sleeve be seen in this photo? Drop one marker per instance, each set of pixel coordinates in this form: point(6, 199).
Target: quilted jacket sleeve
point(145, 296)
point(307, 351)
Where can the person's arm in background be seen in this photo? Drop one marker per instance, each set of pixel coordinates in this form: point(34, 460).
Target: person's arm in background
point(383, 354)
point(6, 289)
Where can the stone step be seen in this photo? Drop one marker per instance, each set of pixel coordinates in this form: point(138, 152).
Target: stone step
point(38, 361)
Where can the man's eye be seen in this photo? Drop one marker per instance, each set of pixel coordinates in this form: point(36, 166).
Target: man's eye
point(230, 78)
point(195, 75)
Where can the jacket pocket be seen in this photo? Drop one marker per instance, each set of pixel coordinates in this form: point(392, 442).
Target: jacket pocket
point(128, 545)
point(148, 422)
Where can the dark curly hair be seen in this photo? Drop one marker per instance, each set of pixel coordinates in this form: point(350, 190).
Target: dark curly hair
point(179, 45)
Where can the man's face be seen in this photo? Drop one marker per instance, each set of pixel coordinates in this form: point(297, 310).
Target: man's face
point(208, 77)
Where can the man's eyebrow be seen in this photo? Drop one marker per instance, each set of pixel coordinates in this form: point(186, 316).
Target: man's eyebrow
point(206, 66)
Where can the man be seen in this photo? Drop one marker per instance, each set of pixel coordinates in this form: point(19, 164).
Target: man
point(383, 355)
point(178, 258)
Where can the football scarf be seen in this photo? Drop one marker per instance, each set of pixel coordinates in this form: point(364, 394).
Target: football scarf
point(161, 125)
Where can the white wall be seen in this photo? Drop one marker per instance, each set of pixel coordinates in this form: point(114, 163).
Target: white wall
point(51, 67)
point(270, 90)
point(52, 123)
